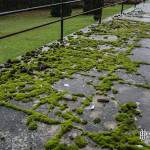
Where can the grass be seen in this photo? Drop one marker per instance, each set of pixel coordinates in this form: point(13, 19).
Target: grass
point(17, 45)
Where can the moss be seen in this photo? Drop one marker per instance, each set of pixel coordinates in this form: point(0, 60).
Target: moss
point(87, 101)
point(79, 95)
point(20, 96)
point(63, 107)
point(84, 122)
point(79, 110)
point(66, 147)
point(97, 120)
point(32, 125)
point(70, 115)
point(125, 136)
point(107, 82)
point(80, 141)
point(73, 147)
point(105, 85)
point(146, 86)
point(74, 98)
point(66, 126)
point(52, 143)
point(62, 62)
point(114, 91)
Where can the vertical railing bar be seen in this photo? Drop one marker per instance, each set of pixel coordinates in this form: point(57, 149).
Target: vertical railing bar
point(135, 4)
point(62, 22)
point(122, 7)
point(101, 11)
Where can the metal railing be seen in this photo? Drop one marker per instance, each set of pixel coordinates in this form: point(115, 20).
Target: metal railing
point(61, 19)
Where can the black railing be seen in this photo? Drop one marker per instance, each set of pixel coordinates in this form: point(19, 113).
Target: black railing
point(61, 20)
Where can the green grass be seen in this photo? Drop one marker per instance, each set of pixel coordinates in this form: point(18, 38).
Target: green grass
point(17, 45)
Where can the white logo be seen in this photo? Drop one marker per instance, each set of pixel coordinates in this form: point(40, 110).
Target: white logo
point(144, 135)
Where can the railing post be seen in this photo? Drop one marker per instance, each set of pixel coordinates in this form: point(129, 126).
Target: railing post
point(62, 22)
point(122, 7)
point(101, 11)
point(135, 4)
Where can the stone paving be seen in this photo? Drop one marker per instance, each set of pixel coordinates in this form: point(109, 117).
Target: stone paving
point(99, 107)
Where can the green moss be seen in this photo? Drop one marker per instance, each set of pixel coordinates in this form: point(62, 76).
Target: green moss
point(114, 91)
point(79, 95)
point(107, 82)
point(52, 143)
point(74, 98)
point(32, 125)
point(80, 141)
point(63, 107)
point(146, 86)
point(87, 101)
point(97, 120)
point(66, 126)
point(70, 115)
point(105, 85)
point(62, 62)
point(66, 147)
point(20, 96)
point(125, 136)
point(79, 110)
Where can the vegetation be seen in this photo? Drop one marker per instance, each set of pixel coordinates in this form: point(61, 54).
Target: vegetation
point(18, 45)
point(32, 78)
point(126, 135)
point(80, 141)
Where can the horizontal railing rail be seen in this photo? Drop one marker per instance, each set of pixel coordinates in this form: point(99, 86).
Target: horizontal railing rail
point(35, 8)
point(61, 19)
